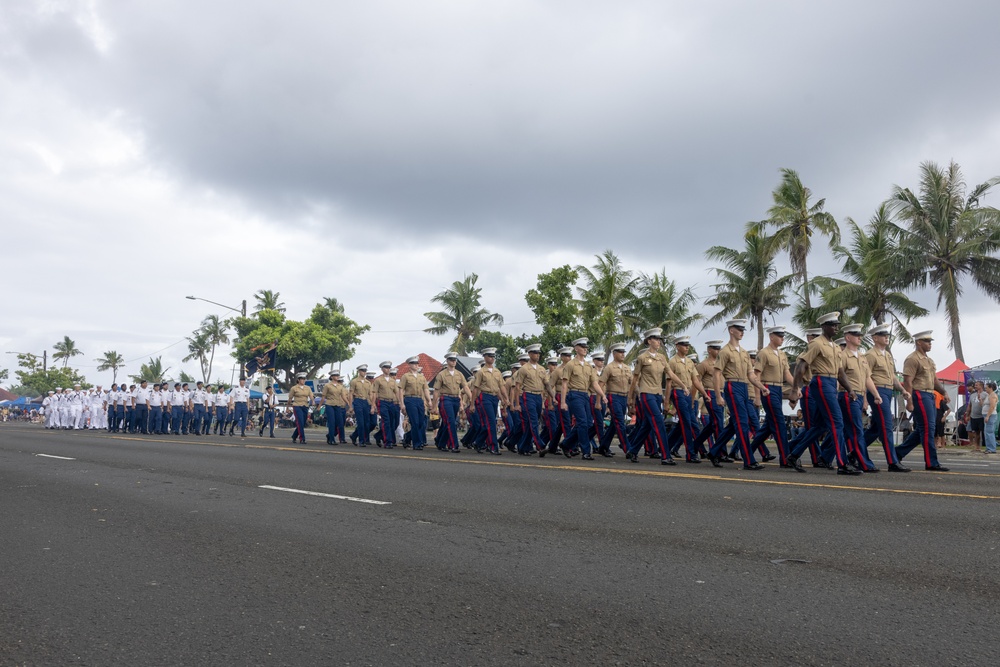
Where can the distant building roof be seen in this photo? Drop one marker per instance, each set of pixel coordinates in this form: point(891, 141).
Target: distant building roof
point(429, 365)
point(6, 395)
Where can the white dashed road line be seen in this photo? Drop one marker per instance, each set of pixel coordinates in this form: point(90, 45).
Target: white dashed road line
point(52, 456)
point(326, 495)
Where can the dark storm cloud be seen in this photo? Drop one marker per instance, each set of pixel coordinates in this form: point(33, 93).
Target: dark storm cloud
point(540, 118)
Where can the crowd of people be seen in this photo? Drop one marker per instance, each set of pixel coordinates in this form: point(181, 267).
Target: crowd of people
point(577, 403)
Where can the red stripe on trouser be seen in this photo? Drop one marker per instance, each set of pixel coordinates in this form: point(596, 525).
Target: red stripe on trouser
point(447, 424)
point(378, 412)
point(927, 429)
point(889, 451)
point(535, 438)
point(490, 440)
point(298, 425)
point(681, 419)
point(617, 424)
point(656, 429)
point(829, 419)
point(853, 440)
point(738, 425)
point(779, 435)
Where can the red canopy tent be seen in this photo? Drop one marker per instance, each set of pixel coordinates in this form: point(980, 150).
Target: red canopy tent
point(953, 373)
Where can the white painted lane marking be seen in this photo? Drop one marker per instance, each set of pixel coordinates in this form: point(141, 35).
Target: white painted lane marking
point(326, 495)
point(51, 456)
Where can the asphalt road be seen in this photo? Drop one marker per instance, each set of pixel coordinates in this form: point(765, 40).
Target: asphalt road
point(157, 550)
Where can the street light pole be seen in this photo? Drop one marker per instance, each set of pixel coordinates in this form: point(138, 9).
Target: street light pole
point(45, 358)
point(242, 310)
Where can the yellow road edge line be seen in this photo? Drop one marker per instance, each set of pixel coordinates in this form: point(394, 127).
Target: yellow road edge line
point(654, 473)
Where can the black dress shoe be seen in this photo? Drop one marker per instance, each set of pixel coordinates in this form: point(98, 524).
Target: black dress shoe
point(634, 458)
point(938, 468)
point(848, 470)
point(725, 458)
point(694, 460)
point(822, 464)
point(898, 467)
point(872, 469)
point(794, 464)
point(755, 466)
point(715, 461)
point(668, 462)
point(586, 457)
point(769, 457)
point(605, 453)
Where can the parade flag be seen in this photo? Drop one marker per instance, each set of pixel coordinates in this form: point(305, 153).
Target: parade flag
point(264, 359)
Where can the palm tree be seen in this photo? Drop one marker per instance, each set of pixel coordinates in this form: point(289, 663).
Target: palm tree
point(199, 348)
point(333, 304)
point(660, 304)
point(111, 361)
point(65, 349)
point(216, 332)
point(749, 285)
point(608, 297)
point(462, 313)
point(151, 371)
point(268, 300)
point(796, 220)
point(873, 276)
point(945, 236)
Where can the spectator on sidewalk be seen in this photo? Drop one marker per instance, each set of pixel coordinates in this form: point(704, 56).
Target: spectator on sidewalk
point(990, 418)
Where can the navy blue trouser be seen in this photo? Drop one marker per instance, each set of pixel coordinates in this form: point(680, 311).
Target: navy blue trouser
point(826, 417)
point(197, 418)
point(774, 424)
point(301, 413)
point(924, 419)
point(268, 420)
point(176, 415)
point(617, 407)
point(362, 415)
point(448, 407)
point(578, 404)
point(735, 396)
point(716, 415)
point(155, 412)
point(880, 427)
point(651, 424)
point(416, 413)
point(686, 429)
point(141, 416)
point(597, 417)
point(854, 435)
point(221, 413)
point(486, 406)
point(389, 412)
point(531, 412)
point(241, 414)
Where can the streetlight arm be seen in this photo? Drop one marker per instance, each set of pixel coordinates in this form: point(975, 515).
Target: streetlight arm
point(242, 311)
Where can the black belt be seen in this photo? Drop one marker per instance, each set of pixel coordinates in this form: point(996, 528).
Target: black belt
point(772, 384)
point(533, 393)
point(615, 393)
point(884, 386)
point(823, 375)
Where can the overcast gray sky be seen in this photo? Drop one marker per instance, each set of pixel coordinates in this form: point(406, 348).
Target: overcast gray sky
point(150, 150)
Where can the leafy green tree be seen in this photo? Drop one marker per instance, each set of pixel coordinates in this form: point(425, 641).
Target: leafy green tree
point(200, 348)
point(874, 277)
point(462, 313)
point(268, 300)
point(947, 236)
point(555, 309)
point(184, 377)
point(506, 345)
point(111, 361)
point(4, 374)
point(40, 381)
point(749, 286)
point(152, 371)
point(333, 304)
point(796, 220)
point(66, 349)
point(327, 336)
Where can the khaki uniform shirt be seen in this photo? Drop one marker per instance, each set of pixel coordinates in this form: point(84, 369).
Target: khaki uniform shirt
point(580, 375)
point(413, 384)
point(734, 363)
point(531, 378)
point(300, 395)
point(679, 365)
point(385, 389)
point(555, 380)
point(650, 367)
point(616, 378)
point(488, 381)
point(449, 383)
point(361, 388)
point(922, 370)
point(706, 369)
point(857, 371)
point(772, 366)
point(823, 357)
point(883, 367)
point(335, 394)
